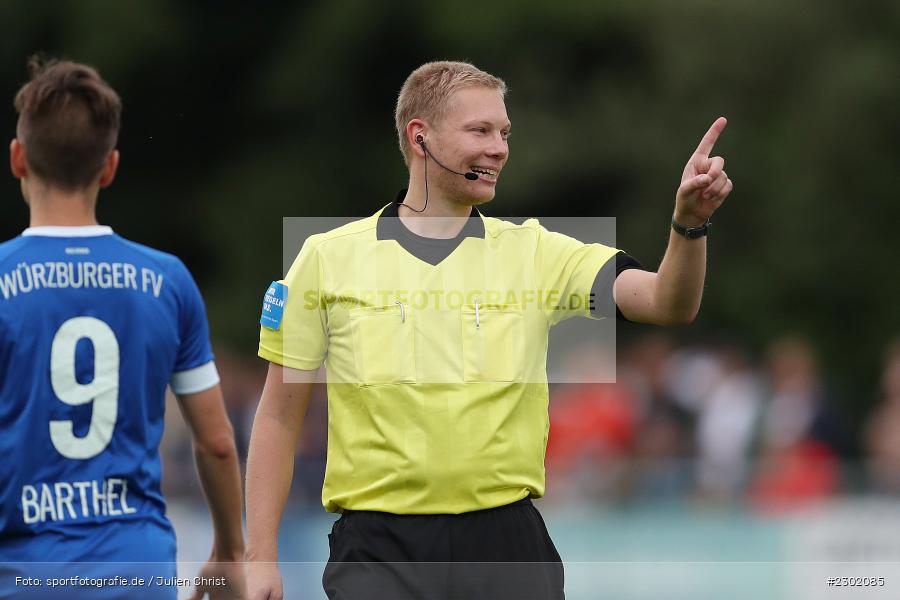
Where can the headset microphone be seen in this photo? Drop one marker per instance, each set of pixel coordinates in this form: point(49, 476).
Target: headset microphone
point(471, 175)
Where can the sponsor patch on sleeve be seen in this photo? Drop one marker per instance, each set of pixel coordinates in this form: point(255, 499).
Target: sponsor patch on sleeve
point(273, 306)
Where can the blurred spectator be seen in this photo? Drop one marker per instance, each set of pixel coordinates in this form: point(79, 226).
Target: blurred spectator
point(242, 383)
point(882, 431)
point(802, 435)
point(592, 432)
point(665, 442)
point(725, 391)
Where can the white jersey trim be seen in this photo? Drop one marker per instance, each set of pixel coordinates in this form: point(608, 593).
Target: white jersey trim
point(64, 231)
point(195, 380)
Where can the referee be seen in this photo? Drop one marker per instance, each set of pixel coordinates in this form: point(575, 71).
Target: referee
point(432, 321)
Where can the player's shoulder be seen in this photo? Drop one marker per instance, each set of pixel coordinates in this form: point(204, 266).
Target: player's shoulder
point(160, 257)
point(9, 249)
point(165, 263)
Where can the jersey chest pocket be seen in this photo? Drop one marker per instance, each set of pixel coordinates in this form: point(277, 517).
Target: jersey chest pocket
point(383, 344)
point(493, 342)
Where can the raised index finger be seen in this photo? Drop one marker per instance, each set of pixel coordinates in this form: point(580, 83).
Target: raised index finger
point(709, 140)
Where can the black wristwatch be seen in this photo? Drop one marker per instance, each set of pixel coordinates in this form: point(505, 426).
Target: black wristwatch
point(690, 233)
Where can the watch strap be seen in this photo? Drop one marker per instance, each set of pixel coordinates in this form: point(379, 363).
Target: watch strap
point(690, 233)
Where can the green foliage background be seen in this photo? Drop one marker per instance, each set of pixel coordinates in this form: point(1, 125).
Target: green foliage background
point(238, 114)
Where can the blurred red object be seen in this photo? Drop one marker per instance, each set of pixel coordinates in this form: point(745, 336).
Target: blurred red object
point(590, 421)
point(795, 477)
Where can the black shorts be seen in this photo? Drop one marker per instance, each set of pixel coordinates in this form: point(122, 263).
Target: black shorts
point(498, 554)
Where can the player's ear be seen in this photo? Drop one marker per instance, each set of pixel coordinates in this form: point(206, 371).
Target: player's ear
point(17, 163)
point(109, 169)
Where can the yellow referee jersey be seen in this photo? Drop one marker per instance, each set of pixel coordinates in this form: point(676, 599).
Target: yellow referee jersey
point(437, 384)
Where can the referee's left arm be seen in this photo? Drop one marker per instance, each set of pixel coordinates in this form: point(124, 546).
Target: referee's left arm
point(672, 295)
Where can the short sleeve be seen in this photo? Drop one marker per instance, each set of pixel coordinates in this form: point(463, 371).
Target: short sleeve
point(194, 370)
point(299, 338)
point(604, 302)
point(566, 269)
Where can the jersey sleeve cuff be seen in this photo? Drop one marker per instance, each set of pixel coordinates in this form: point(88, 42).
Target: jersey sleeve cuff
point(602, 289)
point(288, 361)
point(195, 380)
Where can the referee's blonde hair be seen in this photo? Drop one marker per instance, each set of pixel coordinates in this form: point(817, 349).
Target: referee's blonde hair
point(426, 94)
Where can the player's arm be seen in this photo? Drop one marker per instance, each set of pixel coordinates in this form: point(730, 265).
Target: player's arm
point(217, 465)
point(672, 295)
point(270, 470)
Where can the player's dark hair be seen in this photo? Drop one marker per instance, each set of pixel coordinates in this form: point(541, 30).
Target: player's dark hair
point(68, 122)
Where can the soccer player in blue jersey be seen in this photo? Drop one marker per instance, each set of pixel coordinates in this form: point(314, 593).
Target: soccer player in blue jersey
point(93, 328)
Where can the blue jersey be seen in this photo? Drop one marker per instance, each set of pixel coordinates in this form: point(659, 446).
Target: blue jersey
point(92, 329)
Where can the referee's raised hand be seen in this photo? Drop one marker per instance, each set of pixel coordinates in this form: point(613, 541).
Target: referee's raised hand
point(704, 183)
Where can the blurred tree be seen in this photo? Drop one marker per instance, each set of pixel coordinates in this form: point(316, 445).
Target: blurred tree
point(238, 114)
